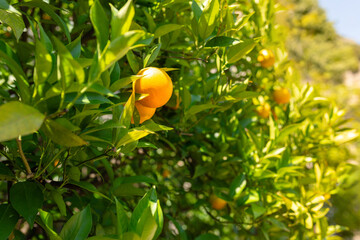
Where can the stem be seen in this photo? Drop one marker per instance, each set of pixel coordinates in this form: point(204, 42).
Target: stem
point(28, 170)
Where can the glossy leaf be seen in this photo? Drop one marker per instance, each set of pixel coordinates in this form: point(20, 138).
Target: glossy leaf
point(78, 226)
point(221, 41)
point(118, 48)
point(238, 51)
point(100, 23)
point(18, 119)
point(121, 20)
point(61, 135)
point(208, 19)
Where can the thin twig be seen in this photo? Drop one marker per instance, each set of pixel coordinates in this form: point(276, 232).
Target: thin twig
point(28, 169)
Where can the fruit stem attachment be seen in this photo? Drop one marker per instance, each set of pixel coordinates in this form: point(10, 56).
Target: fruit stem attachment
point(28, 170)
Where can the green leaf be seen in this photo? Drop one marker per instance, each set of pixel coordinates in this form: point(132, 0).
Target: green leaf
point(196, 10)
point(141, 207)
point(257, 210)
point(49, 9)
point(242, 21)
point(239, 50)
point(152, 55)
point(68, 66)
point(238, 96)
point(89, 187)
point(132, 136)
point(5, 173)
point(118, 48)
point(286, 131)
point(75, 47)
point(8, 220)
point(46, 222)
point(208, 19)
point(150, 125)
point(122, 219)
point(13, 18)
point(165, 29)
point(199, 108)
point(131, 236)
point(134, 179)
point(18, 119)
point(237, 186)
point(121, 20)
point(61, 135)
point(146, 226)
point(100, 23)
point(207, 236)
point(133, 61)
point(43, 63)
point(58, 199)
point(221, 41)
point(10, 58)
point(26, 198)
point(79, 226)
point(117, 85)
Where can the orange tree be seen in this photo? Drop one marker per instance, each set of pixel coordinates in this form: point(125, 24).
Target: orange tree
point(206, 166)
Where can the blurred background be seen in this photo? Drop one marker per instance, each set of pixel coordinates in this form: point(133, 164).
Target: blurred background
point(324, 40)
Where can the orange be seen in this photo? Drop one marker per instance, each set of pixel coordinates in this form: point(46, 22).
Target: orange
point(166, 173)
point(266, 58)
point(263, 110)
point(281, 96)
point(145, 112)
point(217, 203)
point(157, 84)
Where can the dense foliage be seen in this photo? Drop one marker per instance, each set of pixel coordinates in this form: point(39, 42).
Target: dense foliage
point(242, 149)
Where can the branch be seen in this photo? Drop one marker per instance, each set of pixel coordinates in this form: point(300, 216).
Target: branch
point(28, 169)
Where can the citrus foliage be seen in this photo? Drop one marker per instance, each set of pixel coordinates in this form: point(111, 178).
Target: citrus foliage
point(207, 166)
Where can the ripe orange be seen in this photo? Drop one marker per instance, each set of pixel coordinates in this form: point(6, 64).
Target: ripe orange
point(145, 112)
point(263, 110)
point(266, 58)
point(281, 95)
point(157, 84)
point(217, 203)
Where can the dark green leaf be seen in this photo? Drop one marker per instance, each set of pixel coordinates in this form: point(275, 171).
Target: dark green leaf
point(221, 41)
point(152, 55)
point(122, 219)
point(8, 220)
point(26, 198)
point(237, 186)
